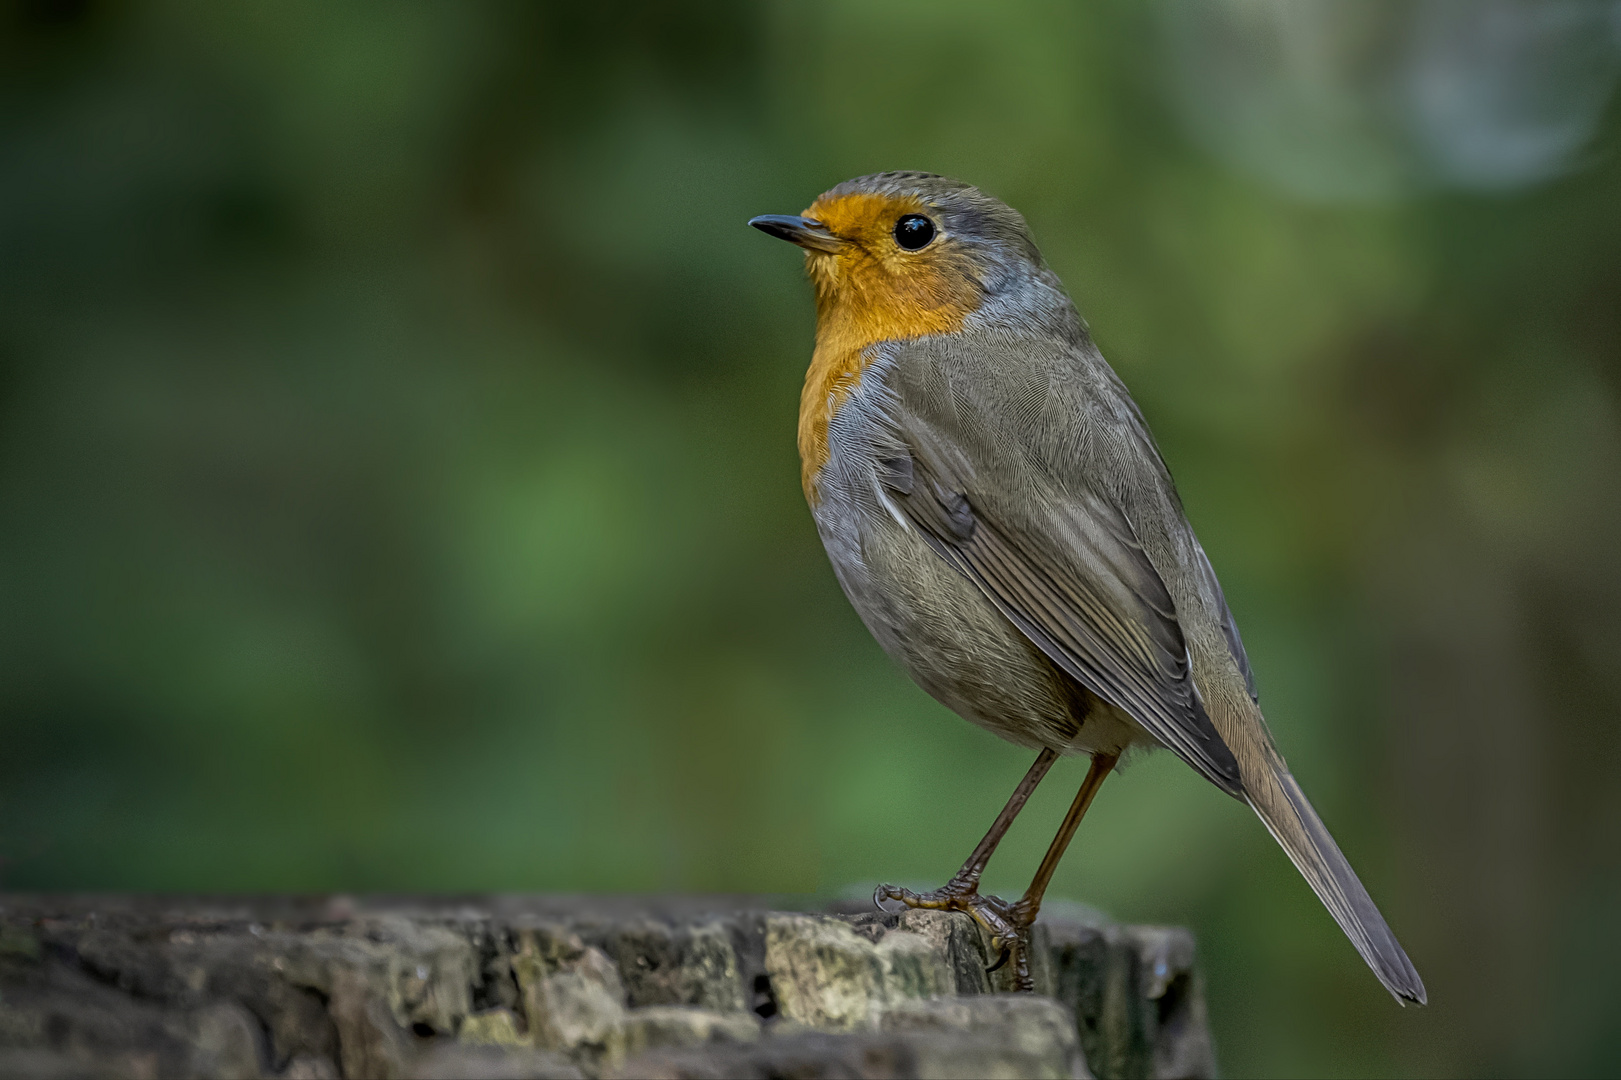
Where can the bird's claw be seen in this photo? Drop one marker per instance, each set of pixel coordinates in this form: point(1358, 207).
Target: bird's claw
point(1002, 921)
point(885, 894)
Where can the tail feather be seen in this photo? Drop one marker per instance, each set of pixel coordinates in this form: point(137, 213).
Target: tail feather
point(1280, 803)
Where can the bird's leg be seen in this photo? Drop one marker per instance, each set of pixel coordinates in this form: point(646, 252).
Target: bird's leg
point(1022, 913)
point(961, 893)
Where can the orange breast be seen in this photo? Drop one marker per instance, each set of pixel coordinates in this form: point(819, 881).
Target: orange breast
point(868, 293)
point(835, 371)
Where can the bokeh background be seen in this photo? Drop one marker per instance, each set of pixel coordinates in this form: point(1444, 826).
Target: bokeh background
point(398, 486)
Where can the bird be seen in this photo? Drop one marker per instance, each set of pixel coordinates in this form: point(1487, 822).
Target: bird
point(999, 515)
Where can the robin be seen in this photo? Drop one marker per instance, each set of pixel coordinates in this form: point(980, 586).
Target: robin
point(995, 508)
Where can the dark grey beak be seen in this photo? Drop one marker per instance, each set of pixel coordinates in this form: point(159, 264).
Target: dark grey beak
point(807, 232)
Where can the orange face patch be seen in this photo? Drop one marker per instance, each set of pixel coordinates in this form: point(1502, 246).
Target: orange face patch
point(871, 290)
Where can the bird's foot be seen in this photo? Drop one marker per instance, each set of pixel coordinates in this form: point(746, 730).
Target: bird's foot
point(1007, 924)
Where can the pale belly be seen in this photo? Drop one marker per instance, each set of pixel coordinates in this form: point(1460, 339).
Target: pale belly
point(954, 643)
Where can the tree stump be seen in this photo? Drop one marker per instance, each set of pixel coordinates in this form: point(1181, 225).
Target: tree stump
point(551, 986)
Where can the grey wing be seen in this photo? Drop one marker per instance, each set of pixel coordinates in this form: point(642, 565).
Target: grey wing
point(1139, 433)
point(1067, 570)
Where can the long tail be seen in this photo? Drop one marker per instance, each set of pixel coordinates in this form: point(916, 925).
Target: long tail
point(1293, 823)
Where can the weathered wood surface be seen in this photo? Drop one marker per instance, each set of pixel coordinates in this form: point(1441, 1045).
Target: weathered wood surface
point(575, 987)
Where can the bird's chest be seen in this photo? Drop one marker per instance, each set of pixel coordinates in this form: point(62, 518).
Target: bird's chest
point(936, 623)
point(857, 523)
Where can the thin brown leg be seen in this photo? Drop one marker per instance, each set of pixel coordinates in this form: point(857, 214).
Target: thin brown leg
point(961, 893)
point(975, 866)
point(1023, 913)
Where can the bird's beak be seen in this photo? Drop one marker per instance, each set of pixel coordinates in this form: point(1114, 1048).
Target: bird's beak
point(808, 233)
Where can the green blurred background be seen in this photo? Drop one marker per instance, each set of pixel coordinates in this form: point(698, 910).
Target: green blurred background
point(398, 486)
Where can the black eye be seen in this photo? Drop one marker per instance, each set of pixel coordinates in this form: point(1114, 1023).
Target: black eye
point(914, 231)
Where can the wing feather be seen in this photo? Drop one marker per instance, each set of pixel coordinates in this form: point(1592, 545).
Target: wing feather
point(1070, 575)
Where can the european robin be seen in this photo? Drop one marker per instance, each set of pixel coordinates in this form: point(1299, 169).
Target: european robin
point(995, 508)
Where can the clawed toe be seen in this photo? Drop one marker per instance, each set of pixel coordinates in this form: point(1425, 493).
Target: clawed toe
point(1004, 922)
point(949, 898)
